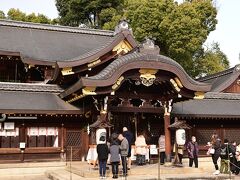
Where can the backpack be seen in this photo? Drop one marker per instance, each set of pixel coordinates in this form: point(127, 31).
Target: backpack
point(223, 151)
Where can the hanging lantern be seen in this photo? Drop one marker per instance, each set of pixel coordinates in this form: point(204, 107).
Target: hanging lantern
point(180, 137)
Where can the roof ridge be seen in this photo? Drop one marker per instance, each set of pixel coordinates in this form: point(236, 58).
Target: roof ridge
point(221, 95)
point(50, 27)
point(215, 75)
point(30, 87)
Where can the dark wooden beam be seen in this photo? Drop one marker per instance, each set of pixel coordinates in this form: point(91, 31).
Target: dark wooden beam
point(136, 109)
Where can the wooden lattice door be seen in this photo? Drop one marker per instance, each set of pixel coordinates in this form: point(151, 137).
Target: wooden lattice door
point(74, 144)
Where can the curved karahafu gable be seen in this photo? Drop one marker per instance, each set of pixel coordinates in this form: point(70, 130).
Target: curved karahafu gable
point(148, 64)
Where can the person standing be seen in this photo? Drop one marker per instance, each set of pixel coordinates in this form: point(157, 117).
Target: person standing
point(141, 149)
point(225, 152)
point(192, 149)
point(115, 157)
point(238, 159)
point(129, 136)
point(102, 151)
point(161, 143)
point(124, 146)
point(233, 160)
point(216, 145)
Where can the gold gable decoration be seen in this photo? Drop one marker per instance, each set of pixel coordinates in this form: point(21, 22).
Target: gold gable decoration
point(89, 91)
point(147, 76)
point(199, 95)
point(118, 82)
point(175, 85)
point(94, 63)
point(76, 97)
point(123, 46)
point(67, 71)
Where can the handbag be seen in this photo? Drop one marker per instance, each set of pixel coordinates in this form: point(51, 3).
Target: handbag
point(212, 151)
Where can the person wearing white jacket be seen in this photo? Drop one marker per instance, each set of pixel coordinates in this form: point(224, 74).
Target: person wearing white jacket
point(141, 149)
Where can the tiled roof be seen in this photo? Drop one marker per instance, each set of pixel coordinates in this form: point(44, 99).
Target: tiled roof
point(215, 95)
point(55, 27)
point(34, 102)
point(223, 79)
point(214, 108)
point(214, 104)
point(49, 43)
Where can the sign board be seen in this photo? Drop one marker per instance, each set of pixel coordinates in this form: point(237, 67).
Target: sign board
point(153, 151)
point(22, 145)
point(9, 125)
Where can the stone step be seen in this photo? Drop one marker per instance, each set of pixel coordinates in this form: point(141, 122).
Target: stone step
point(28, 168)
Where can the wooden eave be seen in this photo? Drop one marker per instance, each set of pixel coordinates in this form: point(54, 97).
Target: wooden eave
point(9, 53)
point(100, 52)
point(110, 74)
point(156, 110)
point(104, 55)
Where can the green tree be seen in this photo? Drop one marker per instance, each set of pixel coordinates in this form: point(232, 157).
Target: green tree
point(179, 29)
point(16, 14)
point(2, 15)
point(93, 13)
point(209, 61)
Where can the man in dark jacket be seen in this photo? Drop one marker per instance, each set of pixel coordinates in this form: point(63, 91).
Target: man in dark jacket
point(192, 149)
point(225, 153)
point(124, 152)
point(129, 136)
point(102, 150)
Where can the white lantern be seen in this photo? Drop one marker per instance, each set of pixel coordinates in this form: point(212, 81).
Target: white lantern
point(99, 133)
point(180, 137)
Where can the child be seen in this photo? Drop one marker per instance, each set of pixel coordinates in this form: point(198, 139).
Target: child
point(115, 157)
point(102, 150)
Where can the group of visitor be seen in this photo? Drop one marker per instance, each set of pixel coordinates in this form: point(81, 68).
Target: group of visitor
point(119, 149)
point(229, 153)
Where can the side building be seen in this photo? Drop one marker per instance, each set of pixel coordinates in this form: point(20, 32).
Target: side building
point(217, 111)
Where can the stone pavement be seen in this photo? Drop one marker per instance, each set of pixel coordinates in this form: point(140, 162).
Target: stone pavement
point(82, 170)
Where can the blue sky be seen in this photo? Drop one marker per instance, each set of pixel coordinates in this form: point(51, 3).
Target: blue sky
point(227, 32)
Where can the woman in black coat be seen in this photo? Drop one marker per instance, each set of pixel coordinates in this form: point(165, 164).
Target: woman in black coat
point(216, 145)
point(102, 150)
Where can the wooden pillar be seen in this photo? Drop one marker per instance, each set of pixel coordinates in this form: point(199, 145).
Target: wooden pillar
point(62, 138)
point(62, 155)
point(167, 137)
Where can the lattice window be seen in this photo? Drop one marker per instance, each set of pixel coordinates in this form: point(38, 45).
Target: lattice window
point(73, 145)
point(73, 138)
point(73, 153)
point(232, 135)
point(204, 135)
